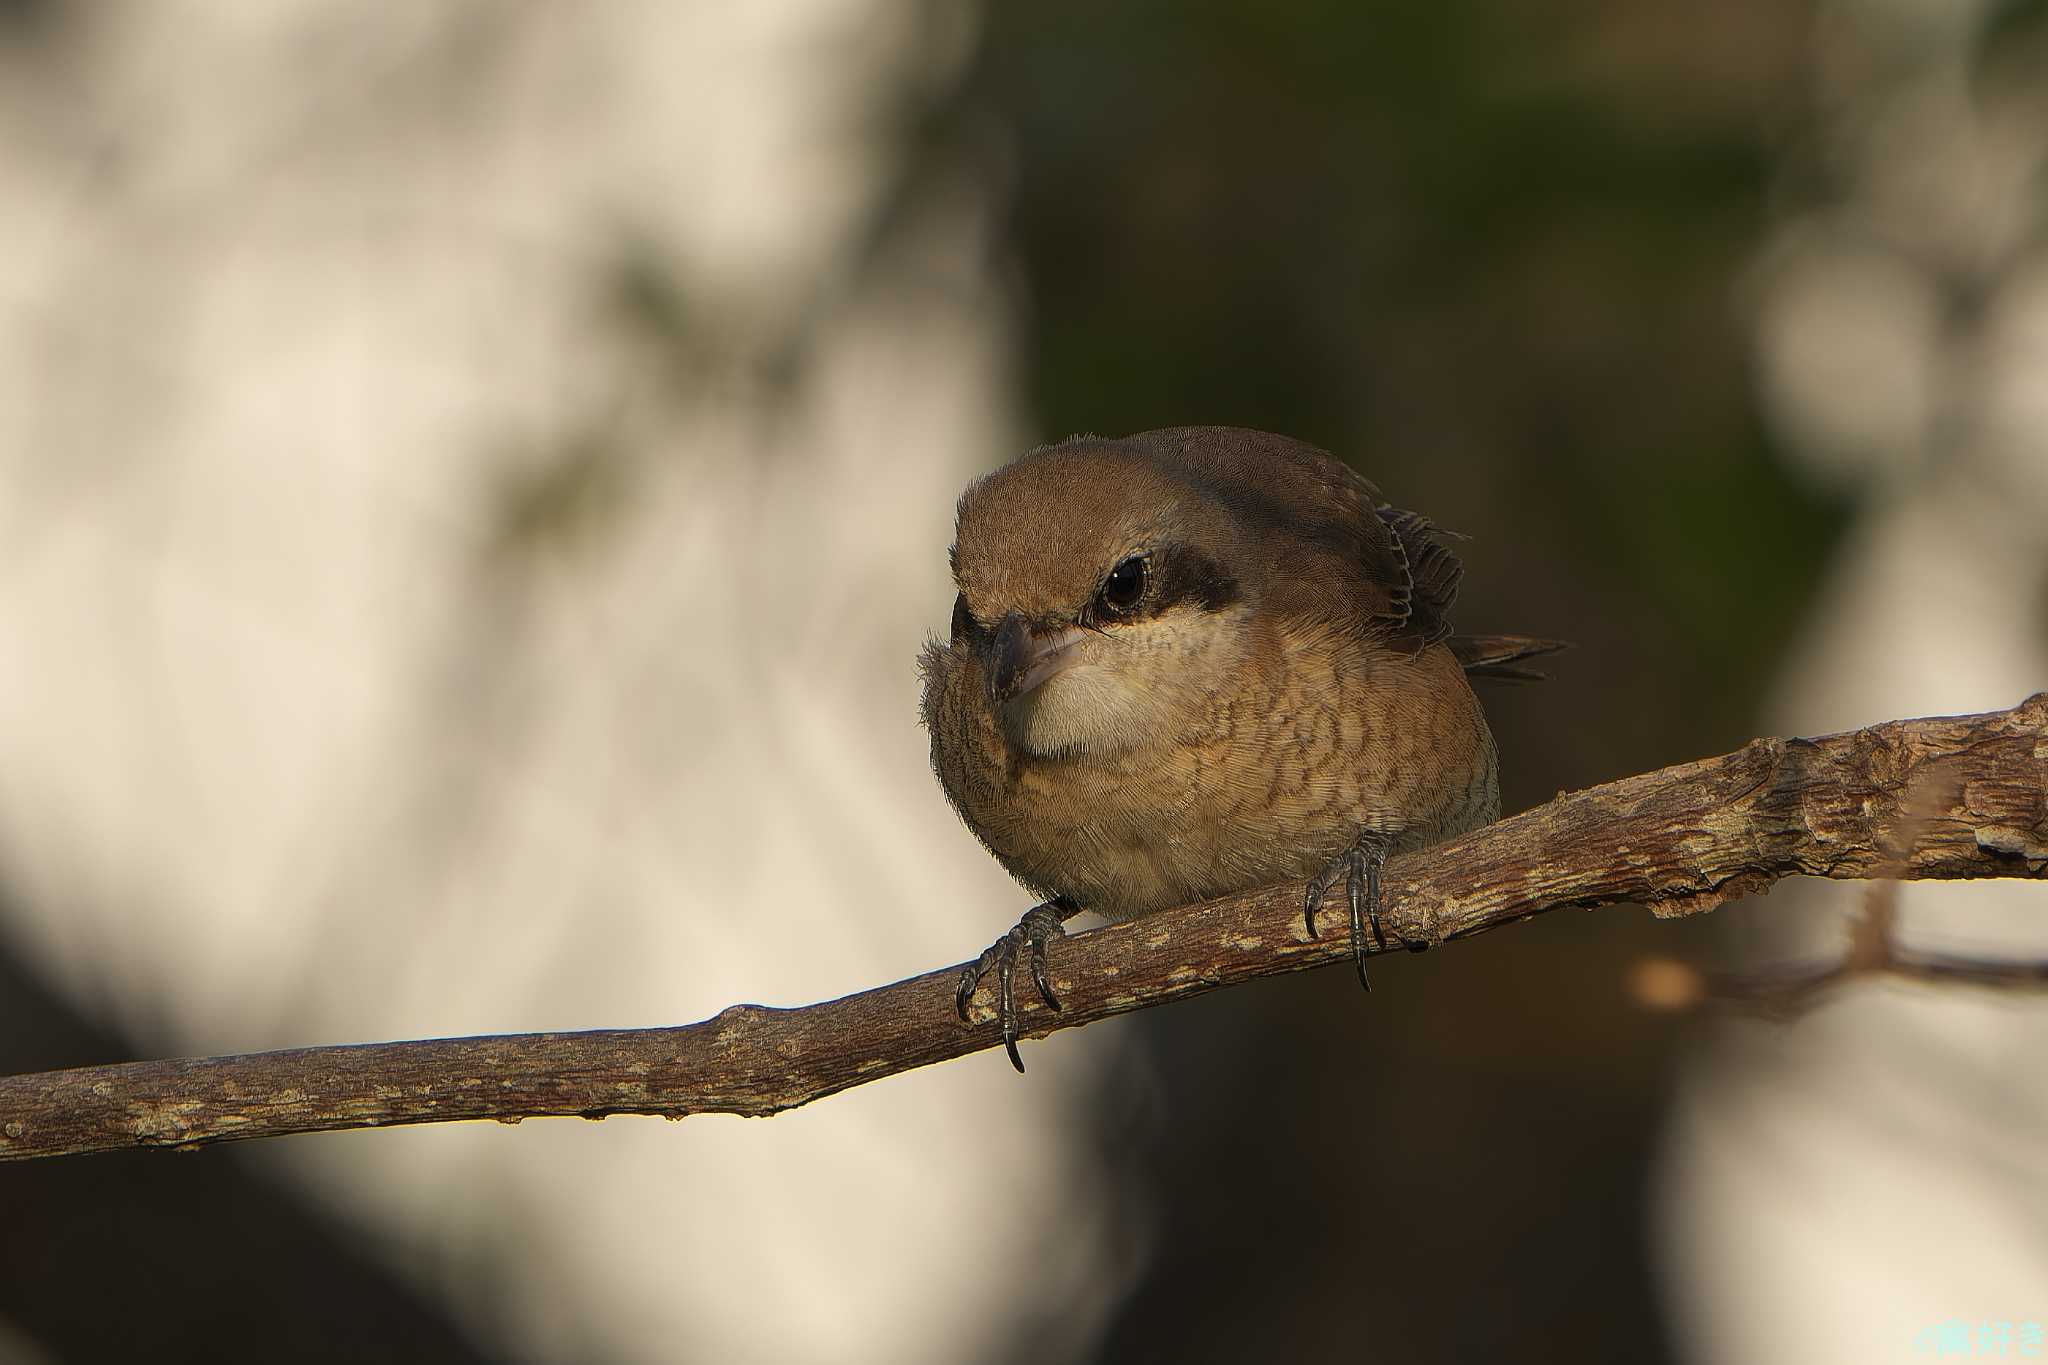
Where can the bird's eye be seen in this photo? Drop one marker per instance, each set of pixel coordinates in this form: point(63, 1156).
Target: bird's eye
point(1125, 585)
point(963, 619)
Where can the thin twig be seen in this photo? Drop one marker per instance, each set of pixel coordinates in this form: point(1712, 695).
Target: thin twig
point(1681, 840)
point(1787, 990)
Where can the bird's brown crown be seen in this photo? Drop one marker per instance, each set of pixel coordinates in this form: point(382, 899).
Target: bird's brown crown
point(1037, 536)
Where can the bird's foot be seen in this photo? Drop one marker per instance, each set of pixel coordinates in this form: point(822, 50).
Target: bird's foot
point(1040, 926)
point(1360, 866)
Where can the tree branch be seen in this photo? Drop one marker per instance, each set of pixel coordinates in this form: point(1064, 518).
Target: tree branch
point(1786, 989)
point(1947, 797)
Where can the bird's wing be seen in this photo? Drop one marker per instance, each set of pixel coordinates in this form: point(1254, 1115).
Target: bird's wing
point(1426, 582)
point(1337, 553)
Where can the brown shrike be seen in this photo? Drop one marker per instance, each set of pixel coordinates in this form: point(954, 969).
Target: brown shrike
point(1195, 661)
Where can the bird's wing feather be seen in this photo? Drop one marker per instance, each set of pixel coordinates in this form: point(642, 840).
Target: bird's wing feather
point(1419, 606)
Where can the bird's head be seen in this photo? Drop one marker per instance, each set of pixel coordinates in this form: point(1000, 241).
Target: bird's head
point(1105, 601)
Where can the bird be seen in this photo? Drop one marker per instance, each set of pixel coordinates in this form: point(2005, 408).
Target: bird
point(1193, 661)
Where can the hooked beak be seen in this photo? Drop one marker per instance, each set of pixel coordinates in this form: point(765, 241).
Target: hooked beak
point(1021, 658)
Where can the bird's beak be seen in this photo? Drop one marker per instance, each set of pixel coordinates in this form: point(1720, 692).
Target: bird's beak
point(1020, 658)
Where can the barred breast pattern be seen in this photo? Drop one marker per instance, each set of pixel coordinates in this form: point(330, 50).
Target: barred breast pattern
point(1328, 738)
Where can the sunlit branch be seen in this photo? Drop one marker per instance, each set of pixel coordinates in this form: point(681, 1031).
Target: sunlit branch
point(1948, 797)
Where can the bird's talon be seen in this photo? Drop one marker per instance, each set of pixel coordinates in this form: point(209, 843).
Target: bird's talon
point(1040, 979)
point(1311, 902)
point(1360, 867)
point(1372, 899)
point(1031, 934)
point(1354, 894)
point(1006, 1001)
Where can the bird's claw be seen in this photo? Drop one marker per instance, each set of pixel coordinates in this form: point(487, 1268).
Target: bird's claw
point(1040, 925)
point(1360, 866)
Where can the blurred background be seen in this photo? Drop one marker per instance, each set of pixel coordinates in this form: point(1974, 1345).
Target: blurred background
point(473, 481)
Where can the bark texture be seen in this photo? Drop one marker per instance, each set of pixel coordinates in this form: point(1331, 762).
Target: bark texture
point(1945, 797)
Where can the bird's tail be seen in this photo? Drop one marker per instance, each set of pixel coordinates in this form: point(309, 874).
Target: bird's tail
point(1499, 656)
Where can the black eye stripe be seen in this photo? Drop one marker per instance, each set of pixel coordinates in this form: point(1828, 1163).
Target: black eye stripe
point(1141, 585)
point(1184, 575)
point(1156, 582)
